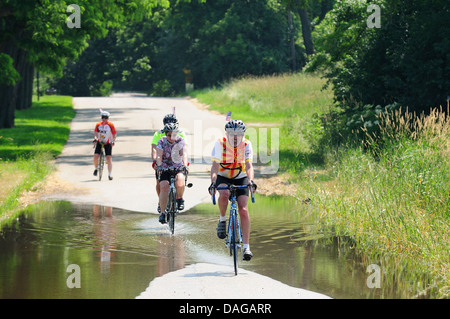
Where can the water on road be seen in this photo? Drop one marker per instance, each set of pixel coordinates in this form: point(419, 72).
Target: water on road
point(120, 252)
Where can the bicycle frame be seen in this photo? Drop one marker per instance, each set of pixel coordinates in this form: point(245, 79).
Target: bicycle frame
point(101, 161)
point(233, 240)
point(172, 197)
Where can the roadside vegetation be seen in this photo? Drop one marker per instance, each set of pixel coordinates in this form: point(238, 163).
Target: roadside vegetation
point(28, 149)
point(389, 193)
point(291, 101)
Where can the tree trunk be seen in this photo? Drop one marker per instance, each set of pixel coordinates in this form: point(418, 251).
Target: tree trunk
point(8, 93)
point(25, 89)
point(306, 31)
point(291, 35)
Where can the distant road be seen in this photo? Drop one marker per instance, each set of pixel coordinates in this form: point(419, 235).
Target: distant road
point(136, 118)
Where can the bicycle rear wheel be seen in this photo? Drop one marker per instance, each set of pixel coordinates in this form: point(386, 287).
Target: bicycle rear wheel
point(101, 164)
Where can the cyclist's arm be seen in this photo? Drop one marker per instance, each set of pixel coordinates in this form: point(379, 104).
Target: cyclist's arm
point(153, 152)
point(185, 156)
point(159, 153)
point(249, 170)
point(114, 136)
point(96, 133)
point(214, 171)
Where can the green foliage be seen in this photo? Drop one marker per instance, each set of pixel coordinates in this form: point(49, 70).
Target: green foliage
point(292, 101)
point(9, 75)
point(106, 88)
point(40, 27)
point(394, 199)
point(162, 88)
point(405, 61)
point(216, 40)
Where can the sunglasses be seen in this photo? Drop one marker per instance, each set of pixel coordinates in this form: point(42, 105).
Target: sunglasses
point(105, 117)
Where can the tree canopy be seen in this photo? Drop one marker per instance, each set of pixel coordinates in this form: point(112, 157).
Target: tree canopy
point(405, 61)
point(35, 34)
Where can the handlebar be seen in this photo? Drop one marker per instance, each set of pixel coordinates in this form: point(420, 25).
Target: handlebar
point(236, 187)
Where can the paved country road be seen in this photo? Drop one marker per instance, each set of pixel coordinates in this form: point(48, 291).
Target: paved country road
point(136, 118)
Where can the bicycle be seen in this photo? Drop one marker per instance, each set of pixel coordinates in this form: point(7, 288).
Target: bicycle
point(233, 241)
point(101, 160)
point(172, 207)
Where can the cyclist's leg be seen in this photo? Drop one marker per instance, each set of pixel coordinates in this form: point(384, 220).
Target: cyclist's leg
point(109, 162)
point(223, 205)
point(163, 194)
point(108, 153)
point(244, 217)
point(179, 185)
point(96, 156)
point(157, 190)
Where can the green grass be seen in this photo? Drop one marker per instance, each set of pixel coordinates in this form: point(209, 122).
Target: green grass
point(290, 101)
point(395, 200)
point(269, 99)
point(42, 128)
point(26, 151)
point(391, 197)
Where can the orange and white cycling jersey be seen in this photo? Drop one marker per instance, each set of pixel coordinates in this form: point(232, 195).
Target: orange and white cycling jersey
point(232, 159)
point(105, 132)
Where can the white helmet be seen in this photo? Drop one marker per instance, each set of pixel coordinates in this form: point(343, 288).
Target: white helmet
point(235, 126)
point(104, 113)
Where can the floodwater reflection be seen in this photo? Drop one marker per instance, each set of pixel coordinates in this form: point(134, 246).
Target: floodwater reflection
point(120, 252)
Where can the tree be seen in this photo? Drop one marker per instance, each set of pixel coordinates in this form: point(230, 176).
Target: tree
point(224, 39)
point(216, 40)
point(35, 32)
point(405, 61)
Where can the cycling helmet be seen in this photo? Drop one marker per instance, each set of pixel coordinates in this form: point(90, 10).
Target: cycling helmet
point(170, 118)
point(235, 126)
point(171, 127)
point(104, 113)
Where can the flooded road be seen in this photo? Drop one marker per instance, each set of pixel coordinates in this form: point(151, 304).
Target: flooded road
point(120, 252)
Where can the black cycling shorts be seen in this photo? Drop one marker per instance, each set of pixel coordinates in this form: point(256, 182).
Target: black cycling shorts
point(108, 149)
point(165, 175)
point(239, 181)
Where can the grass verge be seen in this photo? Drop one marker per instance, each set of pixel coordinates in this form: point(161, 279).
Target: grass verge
point(391, 196)
point(27, 150)
point(290, 101)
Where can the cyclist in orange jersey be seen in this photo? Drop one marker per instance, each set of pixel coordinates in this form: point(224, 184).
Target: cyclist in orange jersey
point(232, 164)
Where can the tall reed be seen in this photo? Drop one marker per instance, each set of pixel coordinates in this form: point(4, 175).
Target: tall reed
point(393, 195)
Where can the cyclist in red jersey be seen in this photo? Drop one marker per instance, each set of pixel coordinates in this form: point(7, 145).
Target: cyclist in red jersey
point(105, 133)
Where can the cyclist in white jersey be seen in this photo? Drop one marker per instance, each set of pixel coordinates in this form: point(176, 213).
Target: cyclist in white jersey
point(106, 134)
point(169, 118)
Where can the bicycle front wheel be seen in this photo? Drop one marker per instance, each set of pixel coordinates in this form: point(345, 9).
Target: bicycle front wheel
point(101, 164)
point(234, 245)
point(172, 212)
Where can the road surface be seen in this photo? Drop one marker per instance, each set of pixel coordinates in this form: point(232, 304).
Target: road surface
point(136, 118)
